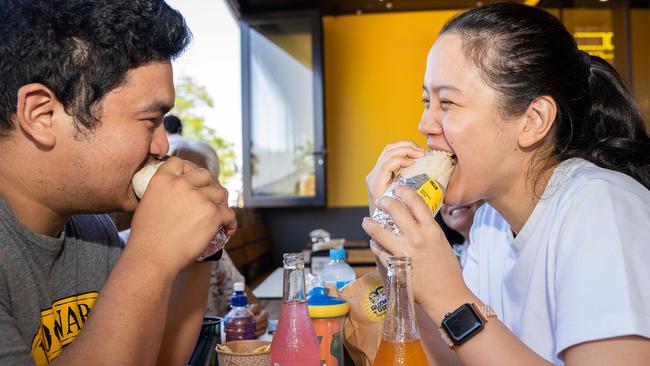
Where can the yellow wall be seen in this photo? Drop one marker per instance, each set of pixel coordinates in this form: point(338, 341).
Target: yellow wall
point(373, 68)
point(640, 29)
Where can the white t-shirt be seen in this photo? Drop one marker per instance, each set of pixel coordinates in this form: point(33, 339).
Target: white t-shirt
point(578, 271)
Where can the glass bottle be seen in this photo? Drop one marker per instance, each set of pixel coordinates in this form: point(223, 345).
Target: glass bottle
point(294, 341)
point(400, 342)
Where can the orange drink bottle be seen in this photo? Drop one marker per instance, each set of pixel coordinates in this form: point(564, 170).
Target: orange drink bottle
point(294, 341)
point(400, 342)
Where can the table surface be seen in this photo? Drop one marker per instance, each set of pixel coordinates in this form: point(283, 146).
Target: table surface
point(271, 287)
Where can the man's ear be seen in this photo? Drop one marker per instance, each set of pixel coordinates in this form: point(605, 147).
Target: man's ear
point(34, 113)
point(540, 117)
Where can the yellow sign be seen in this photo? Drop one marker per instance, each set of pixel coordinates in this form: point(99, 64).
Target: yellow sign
point(596, 43)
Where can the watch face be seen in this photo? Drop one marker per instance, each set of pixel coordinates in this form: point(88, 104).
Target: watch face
point(463, 323)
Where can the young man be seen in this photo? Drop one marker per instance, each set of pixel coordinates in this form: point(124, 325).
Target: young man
point(84, 88)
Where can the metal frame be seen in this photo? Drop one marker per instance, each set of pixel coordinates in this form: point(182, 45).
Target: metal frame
point(320, 163)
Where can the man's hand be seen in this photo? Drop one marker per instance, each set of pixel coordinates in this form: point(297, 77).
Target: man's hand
point(180, 212)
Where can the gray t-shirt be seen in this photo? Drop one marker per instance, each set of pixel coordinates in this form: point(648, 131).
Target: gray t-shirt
point(48, 285)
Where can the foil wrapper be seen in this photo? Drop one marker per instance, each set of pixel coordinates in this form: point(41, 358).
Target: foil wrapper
point(216, 244)
point(413, 183)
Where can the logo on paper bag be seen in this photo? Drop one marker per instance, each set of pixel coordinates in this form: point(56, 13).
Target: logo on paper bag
point(376, 302)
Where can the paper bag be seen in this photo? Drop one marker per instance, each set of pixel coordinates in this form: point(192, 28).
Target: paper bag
point(364, 324)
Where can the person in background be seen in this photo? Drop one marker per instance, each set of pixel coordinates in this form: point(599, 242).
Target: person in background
point(459, 218)
point(549, 136)
point(83, 92)
point(174, 131)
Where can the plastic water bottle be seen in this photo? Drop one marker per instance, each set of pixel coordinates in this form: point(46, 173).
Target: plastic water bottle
point(239, 323)
point(337, 273)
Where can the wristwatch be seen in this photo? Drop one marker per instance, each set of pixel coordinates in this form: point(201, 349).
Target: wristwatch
point(463, 323)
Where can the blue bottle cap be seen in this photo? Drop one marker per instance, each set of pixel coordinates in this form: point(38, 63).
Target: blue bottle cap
point(338, 253)
point(238, 298)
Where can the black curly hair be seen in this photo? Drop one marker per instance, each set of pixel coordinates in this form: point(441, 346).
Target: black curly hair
point(524, 52)
point(81, 49)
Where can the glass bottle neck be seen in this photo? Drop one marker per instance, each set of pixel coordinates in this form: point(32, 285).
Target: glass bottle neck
point(399, 326)
point(293, 288)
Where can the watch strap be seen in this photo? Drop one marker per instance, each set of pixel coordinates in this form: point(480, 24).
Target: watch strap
point(485, 311)
point(445, 338)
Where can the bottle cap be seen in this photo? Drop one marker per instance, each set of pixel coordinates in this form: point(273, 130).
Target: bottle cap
point(321, 305)
point(238, 297)
point(338, 253)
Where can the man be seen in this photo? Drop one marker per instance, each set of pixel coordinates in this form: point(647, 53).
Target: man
point(84, 88)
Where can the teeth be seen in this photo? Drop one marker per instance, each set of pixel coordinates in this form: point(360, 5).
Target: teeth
point(458, 210)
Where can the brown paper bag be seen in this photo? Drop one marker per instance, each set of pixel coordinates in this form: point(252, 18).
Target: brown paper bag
point(364, 324)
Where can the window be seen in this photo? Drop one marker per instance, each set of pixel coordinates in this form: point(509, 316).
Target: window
point(282, 105)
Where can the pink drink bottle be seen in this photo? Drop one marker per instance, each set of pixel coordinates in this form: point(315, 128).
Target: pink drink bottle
point(294, 342)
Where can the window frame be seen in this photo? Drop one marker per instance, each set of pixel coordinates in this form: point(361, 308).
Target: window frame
point(319, 153)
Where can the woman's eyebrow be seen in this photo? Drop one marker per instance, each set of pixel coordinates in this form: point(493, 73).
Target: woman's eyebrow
point(437, 89)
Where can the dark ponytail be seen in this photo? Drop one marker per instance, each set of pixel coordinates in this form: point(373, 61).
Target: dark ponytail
point(615, 136)
point(524, 53)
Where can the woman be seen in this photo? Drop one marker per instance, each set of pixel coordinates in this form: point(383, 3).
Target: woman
point(459, 218)
point(550, 138)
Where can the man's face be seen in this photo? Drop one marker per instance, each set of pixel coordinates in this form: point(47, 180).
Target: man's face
point(103, 161)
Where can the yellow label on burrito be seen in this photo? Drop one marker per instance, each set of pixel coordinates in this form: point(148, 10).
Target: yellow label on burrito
point(432, 194)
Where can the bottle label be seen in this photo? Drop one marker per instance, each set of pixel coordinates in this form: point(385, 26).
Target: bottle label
point(432, 194)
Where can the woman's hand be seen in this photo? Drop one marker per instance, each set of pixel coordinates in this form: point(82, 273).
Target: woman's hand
point(436, 272)
point(394, 157)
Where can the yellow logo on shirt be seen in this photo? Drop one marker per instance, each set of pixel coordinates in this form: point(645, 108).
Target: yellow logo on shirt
point(60, 325)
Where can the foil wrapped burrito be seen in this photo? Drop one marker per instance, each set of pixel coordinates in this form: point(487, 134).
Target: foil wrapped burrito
point(428, 176)
point(140, 181)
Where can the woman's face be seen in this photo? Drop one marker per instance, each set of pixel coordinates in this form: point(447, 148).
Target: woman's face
point(461, 116)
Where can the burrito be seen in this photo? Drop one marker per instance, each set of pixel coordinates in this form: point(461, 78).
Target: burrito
point(428, 176)
point(141, 180)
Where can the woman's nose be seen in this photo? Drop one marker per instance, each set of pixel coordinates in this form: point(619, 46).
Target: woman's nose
point(429, 123)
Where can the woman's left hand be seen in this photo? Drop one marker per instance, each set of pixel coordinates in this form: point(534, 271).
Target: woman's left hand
point(436, 272)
